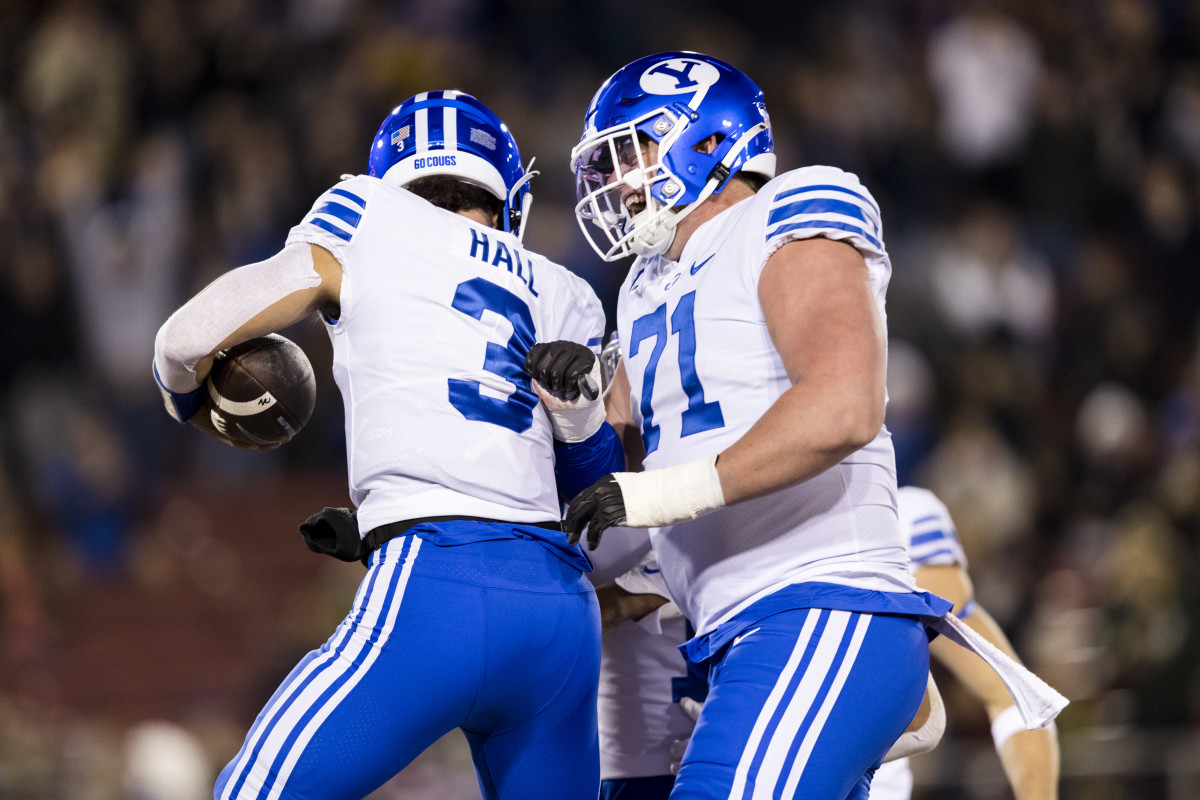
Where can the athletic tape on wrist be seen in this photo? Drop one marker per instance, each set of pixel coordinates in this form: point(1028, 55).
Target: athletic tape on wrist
point(660, 497)
point(1008, 723)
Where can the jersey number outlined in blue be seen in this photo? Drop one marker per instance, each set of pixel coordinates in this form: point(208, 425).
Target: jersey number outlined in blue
point(700, 415)
point(506, 361)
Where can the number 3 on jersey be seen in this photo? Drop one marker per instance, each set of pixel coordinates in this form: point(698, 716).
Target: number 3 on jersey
point(506, 361)
point(700, 416)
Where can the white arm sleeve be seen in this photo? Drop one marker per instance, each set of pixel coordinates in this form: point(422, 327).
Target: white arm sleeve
point(196, 329)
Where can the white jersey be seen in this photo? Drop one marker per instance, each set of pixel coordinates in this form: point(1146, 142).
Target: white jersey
point(932, 540)
point(637, 713)
point(702, 370)
point(437, 313)
point(928, 529)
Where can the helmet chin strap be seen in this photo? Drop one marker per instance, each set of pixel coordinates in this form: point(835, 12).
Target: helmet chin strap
point(526, 201)
point(657, 235)
point(660, 228)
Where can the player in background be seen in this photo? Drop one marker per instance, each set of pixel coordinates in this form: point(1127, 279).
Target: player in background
point(641, 671)
point(474, 612)
point(754, 352)
point(1030, 757)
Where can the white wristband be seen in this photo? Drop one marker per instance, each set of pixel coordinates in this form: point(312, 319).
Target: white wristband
point(660, 497)
point(577, 420)
point(1009, 723)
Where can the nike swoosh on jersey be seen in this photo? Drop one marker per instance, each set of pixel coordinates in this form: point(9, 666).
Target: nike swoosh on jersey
point(697, 267)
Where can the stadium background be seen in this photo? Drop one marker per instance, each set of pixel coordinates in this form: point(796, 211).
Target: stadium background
point(1037, 168)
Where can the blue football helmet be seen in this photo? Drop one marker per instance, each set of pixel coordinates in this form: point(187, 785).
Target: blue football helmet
point(452, 133)
point(675, 101)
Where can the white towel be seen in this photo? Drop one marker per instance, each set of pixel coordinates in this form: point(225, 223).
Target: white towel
point(1038, 702)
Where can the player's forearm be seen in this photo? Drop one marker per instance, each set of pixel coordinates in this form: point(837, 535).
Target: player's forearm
point(250, 301)
point(1030, 760)
point(618, 605)
point(806, 432)
point(619, 415)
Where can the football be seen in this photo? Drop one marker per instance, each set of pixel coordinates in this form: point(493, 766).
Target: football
point(262, 391)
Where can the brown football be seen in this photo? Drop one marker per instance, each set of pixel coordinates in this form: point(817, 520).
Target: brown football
point(262, 391)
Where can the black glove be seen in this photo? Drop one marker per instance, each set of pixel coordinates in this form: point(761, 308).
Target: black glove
point(333, 532)
point(563, 369)
point(598, 508)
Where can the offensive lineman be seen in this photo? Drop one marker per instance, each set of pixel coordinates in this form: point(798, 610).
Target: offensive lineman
point(752, 325)
point(637, 674)
point(754, 372)
point(474, 611)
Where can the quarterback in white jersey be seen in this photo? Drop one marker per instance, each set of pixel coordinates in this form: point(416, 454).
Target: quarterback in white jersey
point(754, 344)
point(433, 307)
point(1030, 757)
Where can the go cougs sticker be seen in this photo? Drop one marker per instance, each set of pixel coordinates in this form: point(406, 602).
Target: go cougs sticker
point(680, 76)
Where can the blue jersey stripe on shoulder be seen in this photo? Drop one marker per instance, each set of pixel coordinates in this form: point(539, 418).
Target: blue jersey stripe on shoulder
point(825, 188)
point(349, 196)
point(926, 557)
point(819, 205)
point(594, 341)
point(926, 518)
point(329, 226)
point(932, 536)
point(820, 223)
point(345, 213)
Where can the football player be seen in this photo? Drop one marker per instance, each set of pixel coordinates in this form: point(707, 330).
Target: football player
point(753, 330)
point(1029, 757)
point(638, 674)
point(474, 612)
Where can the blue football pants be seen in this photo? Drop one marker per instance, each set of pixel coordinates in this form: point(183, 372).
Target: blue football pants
point(804, 705)
point(499, 638)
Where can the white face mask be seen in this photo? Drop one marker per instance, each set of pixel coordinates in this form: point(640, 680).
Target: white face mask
point(626, 191)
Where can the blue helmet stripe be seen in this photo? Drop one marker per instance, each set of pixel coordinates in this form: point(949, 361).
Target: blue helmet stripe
point(452, 122)
point(434, 130)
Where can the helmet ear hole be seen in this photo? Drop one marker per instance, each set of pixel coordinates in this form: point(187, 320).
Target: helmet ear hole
point(710, 144)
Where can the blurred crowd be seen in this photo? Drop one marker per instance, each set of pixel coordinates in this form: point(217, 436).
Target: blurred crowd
point(1038, 169)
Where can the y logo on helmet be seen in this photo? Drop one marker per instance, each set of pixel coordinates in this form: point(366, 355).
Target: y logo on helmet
point(680, 76)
